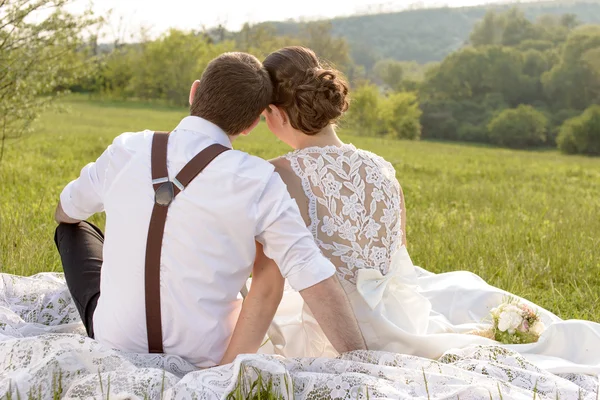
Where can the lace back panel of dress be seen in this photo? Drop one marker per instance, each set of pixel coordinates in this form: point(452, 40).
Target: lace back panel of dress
point(354, 206)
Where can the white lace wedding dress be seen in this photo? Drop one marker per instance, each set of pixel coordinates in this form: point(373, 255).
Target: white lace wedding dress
point(403, 310)
point(354, 206)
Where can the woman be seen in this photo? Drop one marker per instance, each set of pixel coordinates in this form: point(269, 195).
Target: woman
point(354, 207)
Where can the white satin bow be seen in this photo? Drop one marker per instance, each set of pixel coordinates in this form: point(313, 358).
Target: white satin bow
point(397, 291)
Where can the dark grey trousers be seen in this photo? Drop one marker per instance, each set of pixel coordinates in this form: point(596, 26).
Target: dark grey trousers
point(80, 248)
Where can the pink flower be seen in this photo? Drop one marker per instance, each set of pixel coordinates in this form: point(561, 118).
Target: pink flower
point(524, 327)
point(526, 309)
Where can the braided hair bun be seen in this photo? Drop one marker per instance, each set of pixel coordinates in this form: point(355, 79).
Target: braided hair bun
point(312, 96)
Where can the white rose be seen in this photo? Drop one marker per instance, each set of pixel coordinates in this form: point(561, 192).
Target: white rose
point(510, 320)
point(503, 321)
point(513, 309)
point(537, 328)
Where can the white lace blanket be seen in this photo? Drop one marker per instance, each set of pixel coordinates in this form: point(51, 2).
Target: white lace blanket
point(43, 353)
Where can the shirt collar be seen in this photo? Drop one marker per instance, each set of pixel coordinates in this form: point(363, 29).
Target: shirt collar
point(205, 127)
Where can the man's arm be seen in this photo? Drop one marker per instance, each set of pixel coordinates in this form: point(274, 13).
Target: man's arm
point(258, 309)
point(289, 243)
point(83, 197)
point(331, 308)
point(62, 218)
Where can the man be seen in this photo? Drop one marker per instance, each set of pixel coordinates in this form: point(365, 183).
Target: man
point(209, 241)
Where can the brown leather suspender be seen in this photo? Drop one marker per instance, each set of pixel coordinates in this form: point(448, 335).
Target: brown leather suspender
point(164, 193)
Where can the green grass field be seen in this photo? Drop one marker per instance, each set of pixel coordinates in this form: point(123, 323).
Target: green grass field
point(526, 222)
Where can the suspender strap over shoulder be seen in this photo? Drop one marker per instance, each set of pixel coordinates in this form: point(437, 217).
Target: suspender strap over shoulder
point(165, 191)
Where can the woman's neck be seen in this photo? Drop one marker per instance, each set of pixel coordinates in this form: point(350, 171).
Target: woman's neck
point(327, 137)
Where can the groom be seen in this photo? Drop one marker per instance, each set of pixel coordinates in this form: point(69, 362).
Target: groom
point(186, 217)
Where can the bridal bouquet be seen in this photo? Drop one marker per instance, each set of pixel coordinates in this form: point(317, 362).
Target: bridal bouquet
point(516, 323)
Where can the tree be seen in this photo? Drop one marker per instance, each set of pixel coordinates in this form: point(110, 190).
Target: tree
point(399, 114)
point(488, 31)
point(117, 70)
point(574, 82)
point(261, 40)
point(535, 63)
point(318, 37)
point(363, 55)
point(356, 74)
point(390, 72)
point(550, 28)
point(439, 119)
point(362, 116)
point(550, 65)
point(581, 135)
point(509, 29)
point(504, 74)
point(40, 52)
point(538, 45)
point(556, 120)
point(519, 127)
point(163, 73)
point(512, 28)
point(569, 21)
point(472, 73)
point(457, 77)
point(591, 59)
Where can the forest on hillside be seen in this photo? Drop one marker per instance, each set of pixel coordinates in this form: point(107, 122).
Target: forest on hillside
point(428, 35)
point(515, 82)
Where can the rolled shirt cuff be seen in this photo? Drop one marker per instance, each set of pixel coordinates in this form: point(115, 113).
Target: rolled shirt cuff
point(312, 272)
point(68, 206)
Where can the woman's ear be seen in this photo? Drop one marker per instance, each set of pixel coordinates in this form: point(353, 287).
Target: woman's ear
point(278, 114)
point(193, 91)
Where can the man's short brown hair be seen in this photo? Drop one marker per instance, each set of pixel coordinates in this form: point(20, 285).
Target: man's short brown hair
point(233, 92)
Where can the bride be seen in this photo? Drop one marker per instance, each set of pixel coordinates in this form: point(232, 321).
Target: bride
point(354, 207)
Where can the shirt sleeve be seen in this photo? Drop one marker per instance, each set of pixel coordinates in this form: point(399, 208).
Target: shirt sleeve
point(84, 196)
point(287, 240)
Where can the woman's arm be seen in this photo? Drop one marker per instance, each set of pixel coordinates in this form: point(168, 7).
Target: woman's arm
point(258, 309)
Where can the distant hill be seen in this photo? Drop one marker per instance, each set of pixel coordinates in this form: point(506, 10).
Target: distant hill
point(430, 34)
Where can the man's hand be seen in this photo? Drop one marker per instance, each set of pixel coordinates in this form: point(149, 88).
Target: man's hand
point(258, 310)
point(333, 312)
point(62, 218)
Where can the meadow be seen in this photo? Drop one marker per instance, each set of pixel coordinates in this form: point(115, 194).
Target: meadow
point(527, 222)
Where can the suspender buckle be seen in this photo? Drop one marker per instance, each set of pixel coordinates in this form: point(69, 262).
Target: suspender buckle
point(164, 194)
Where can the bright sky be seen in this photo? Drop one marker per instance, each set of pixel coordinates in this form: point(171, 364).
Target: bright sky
point(128, 16)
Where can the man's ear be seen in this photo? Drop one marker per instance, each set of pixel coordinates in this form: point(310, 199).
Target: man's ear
point(248, 130)
point(193, 91)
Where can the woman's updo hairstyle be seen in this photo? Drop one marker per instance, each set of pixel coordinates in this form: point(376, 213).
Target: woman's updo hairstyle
point(312, 96)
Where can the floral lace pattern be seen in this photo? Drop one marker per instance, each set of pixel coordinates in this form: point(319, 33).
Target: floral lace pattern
point(41, 344)
point(354, 206)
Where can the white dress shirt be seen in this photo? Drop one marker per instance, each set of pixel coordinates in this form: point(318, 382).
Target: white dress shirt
point(209, 241)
